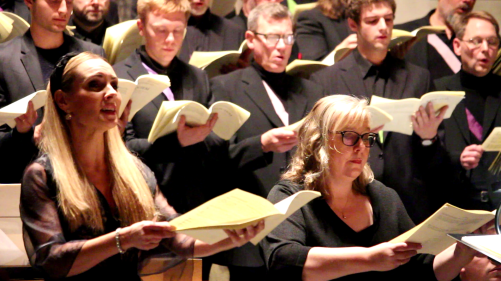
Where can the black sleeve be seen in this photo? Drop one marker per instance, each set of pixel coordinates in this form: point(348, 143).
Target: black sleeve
point(248, 153)
point(17, 151)
point(284, 249)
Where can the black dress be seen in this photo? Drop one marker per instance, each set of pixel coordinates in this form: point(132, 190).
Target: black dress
point(52, 247)
point(316, 225)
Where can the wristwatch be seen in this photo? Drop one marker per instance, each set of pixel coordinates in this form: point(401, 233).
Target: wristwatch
point(428, 142)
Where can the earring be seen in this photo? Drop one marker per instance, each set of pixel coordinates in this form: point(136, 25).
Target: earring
point(68, 116)
point(334, 148)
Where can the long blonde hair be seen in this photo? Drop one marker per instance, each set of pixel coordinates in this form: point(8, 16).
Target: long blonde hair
point(310, 163)
point(78, 198)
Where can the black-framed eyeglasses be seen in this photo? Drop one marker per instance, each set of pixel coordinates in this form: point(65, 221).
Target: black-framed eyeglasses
point(273, 39)
point(351, 138)
point(492, 42)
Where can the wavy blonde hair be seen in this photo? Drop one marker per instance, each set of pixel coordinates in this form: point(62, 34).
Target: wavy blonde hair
point(77, 197)
point(310, 163)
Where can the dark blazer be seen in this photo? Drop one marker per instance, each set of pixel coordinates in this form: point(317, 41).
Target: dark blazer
point(245, 88)
point(222, 34)
point(420, 52)
point(240, 19)
point(318, 35)
point(183, 174)
point(455, 137)
point(21, 75)
point(393, 162)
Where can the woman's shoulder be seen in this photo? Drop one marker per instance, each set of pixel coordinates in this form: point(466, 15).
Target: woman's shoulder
point(283, 189)
point(379, 190)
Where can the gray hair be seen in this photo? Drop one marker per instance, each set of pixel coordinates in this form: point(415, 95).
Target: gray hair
point(267, 10)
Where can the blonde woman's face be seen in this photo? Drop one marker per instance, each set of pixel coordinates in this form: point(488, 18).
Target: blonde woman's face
point(348, 161)
point(95, 101)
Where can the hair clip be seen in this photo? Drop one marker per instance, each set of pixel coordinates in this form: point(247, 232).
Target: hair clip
point(57, 74)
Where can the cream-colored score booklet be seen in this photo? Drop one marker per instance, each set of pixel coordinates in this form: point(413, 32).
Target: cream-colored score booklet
point(493, 141)
point(212, 62)
point(230, 117)
point(399, 36)
point(141, 92)
point(489, 245)
point(432, 233)
point(9, 113)
point(238, 209)
point(402, 110)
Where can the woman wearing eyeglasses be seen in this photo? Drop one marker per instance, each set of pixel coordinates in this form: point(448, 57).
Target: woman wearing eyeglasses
point(344, 233)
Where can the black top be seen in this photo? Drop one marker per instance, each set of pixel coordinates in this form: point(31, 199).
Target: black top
point(276, 81)
point(48, 59)
point(374, 76)
point(53, 247)
point(316, 225)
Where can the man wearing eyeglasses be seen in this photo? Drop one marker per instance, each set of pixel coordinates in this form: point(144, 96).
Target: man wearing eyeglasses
point(275, 100)
point(477, 43)
point(370, 70)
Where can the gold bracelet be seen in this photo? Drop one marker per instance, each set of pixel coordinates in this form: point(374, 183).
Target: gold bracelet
point(117, 241)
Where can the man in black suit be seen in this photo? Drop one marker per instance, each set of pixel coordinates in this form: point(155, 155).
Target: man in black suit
point(275, 100)
point(435, 52)
point(477, 43)
point(370, 70)
point(209, 32)
point(26, 63)
point(176, 157)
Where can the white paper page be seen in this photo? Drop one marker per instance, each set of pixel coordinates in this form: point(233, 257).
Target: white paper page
point(493, 141)
point(287, 207)
point(209, 236)
point(400, 110)
point(439, 100)
point(214, 68)
point(18, 108)
point(378, 117)
point(165, 121)
point(125, 88)
point(433, 236)
point(148, 87)
point(8, 250)
point(488, 243)
point(230, 118)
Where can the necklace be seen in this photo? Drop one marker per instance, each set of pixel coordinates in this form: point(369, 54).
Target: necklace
point(344, 208)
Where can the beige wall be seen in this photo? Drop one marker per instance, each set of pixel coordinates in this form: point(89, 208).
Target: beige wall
point(412, 9)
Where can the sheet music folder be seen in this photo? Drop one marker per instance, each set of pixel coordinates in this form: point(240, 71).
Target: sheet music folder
point(490, 255)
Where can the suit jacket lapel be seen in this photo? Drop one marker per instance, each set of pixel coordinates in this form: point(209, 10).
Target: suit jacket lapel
point(254, 88)
point(492, 104)
point(351, 77)
point(29, 59)
point(459, 114)
point(296, 101)
point(137, 69)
